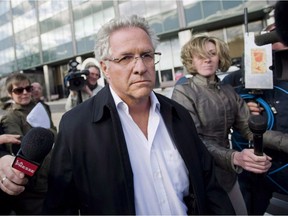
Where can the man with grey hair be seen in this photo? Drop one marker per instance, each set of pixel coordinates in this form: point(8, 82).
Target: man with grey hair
point(129, 150)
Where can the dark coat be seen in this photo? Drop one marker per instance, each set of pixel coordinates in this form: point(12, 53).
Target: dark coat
point(91, 170)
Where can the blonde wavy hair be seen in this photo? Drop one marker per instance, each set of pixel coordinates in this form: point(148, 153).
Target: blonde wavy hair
point(195, 47)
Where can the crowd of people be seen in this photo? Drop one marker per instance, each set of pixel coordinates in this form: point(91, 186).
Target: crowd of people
point(128, 150)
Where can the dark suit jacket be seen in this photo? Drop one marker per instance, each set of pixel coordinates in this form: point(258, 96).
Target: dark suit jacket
point(91, 170)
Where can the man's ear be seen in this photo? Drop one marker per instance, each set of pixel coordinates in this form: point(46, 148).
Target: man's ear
point(104, 68)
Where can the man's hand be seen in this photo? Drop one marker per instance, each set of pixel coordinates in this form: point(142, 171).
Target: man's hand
point(254, 108)
point(87, 90)
point(12, 181)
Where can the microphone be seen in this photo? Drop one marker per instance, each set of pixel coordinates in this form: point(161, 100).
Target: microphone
point(258, 126)
point(35, 145)
point(281, 21)
point(267, 38)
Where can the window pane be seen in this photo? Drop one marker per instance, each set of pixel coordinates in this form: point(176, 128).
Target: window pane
point(27, 48)
point(132, 7)
point(166, 58)
point(218, 33)
point(210, 7)
point(5, 31)
point(176, 50)
point(4, 7)
point(6, 55)
point(193, 11)
point(51, 8)
point(231, 4)
point(235, 40)
point(56, 37)
point(26, 20)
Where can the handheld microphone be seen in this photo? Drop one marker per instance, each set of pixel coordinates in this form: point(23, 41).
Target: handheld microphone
point(258, 126)
point(267, 38)
point(35, 145)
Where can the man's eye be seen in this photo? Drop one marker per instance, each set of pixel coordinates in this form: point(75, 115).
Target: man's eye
point(147, 56)
point(127, 58)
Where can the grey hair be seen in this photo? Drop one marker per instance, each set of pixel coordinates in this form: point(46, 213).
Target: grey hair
point(102, 37)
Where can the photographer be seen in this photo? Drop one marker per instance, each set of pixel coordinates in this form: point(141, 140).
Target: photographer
point(90, 89)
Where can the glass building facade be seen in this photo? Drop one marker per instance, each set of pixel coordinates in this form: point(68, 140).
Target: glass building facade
point(40, 37)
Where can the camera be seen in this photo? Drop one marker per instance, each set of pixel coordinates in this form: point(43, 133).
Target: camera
point(75, 79)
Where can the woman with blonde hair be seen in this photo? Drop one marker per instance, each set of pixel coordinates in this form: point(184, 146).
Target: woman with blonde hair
point(215, 109)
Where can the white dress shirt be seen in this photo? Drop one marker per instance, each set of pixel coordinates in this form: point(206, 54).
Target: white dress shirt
point(160, 175)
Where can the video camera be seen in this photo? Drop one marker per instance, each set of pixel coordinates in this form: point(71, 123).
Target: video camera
point(75, 79)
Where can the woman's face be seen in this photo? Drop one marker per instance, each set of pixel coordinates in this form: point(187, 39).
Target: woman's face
point(207, 66)
point(21, 93)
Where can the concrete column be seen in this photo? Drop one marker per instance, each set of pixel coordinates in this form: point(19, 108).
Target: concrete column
point(46, 71)
point(184, 37)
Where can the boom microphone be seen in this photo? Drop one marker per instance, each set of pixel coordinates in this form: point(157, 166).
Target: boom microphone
point(35, 145)
point(258, 126)
point(267, 38)
point(281, 21)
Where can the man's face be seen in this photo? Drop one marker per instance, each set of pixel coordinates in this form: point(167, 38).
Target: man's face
point(37, 91)
point(93, 76)
point(133, 81)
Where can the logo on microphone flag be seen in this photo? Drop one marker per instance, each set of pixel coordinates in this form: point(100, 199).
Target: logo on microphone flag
point(25, 166)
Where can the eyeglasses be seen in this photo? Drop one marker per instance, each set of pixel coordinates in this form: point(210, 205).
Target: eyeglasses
point(20, 90)
point(148, 59)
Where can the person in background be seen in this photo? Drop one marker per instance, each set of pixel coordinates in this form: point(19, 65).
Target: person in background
point(258, 192)
point(132, 151)
point(19, 195)
point(215, 108)
point(37, 93)
point(37, 96)
point(90, 89)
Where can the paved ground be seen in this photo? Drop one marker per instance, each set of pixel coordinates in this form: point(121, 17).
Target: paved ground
point(57, 110)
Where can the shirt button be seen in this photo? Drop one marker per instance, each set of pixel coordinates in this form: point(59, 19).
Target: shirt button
point(157, 174)
point(162, 202)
